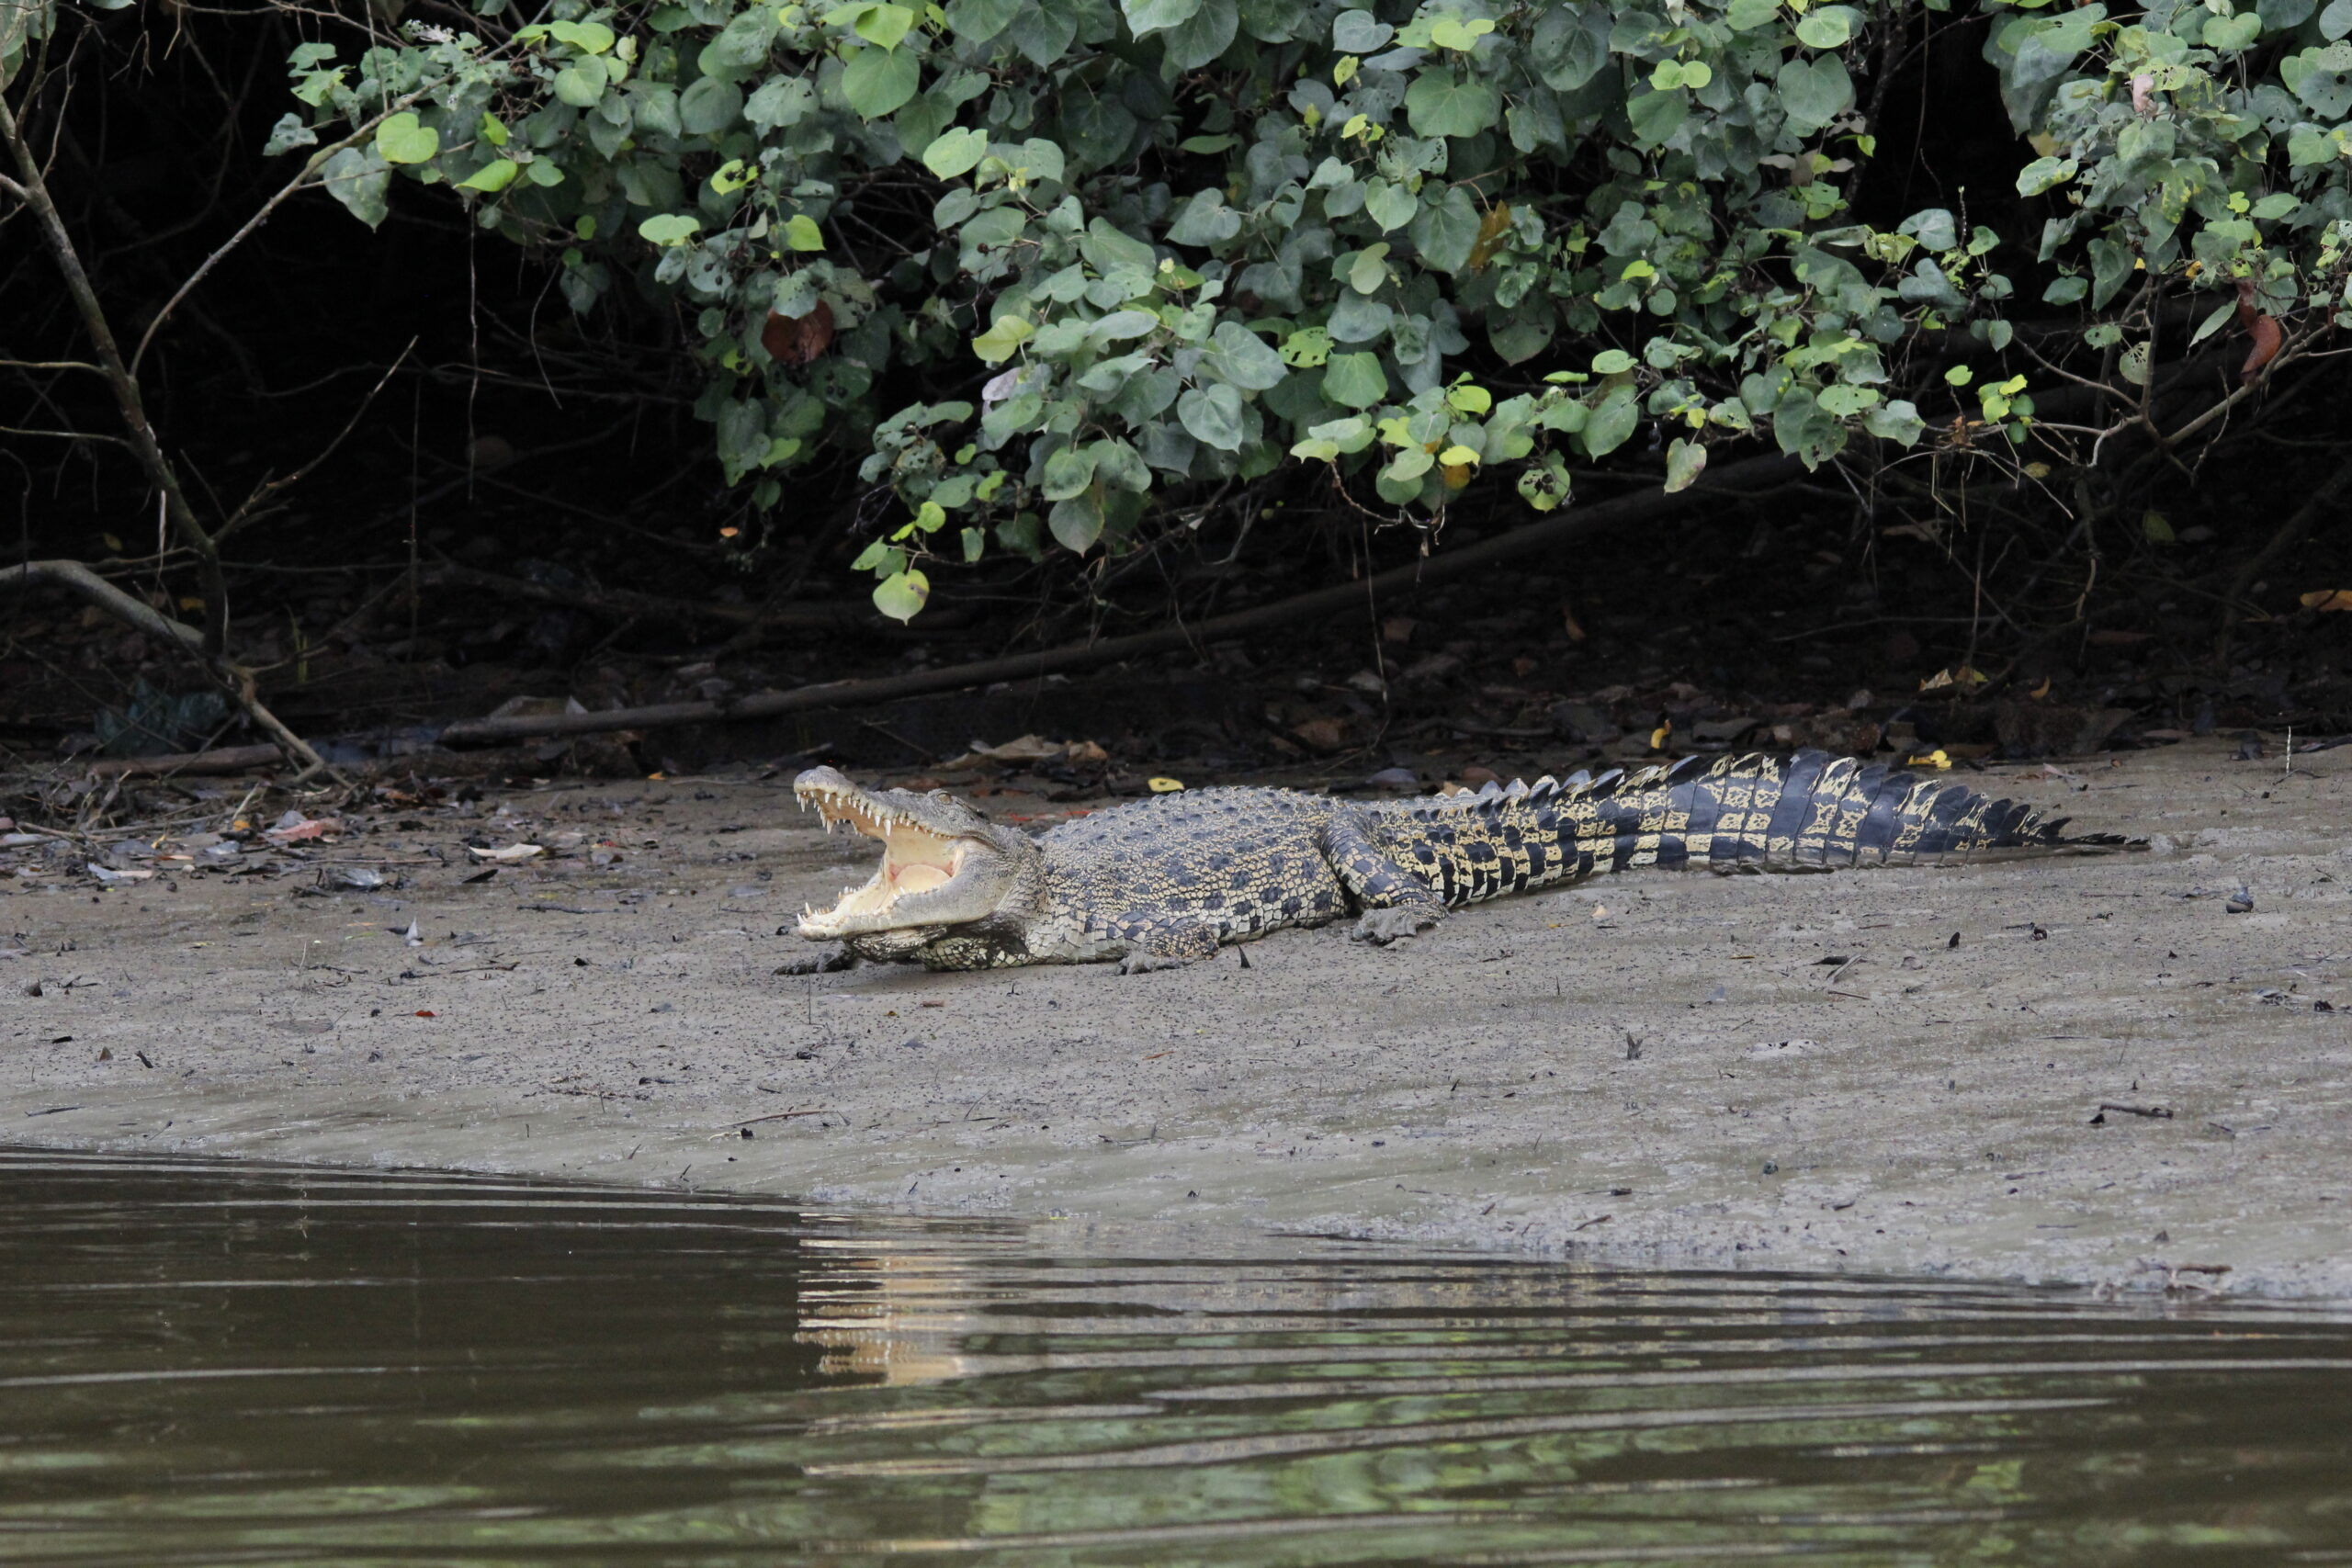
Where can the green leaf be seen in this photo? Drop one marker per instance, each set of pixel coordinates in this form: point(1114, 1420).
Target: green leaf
point(1120, 326)
point(976, 21)
point(1438, 104)
point(1611, 423)
point(901, 595)
point(1211, 415)
point(360, 181)
point(492, 176)
point(741, 46)
point(1684, 460)
point(2043, 174)
point(2111, 268)
point(1209, 33)
point(1747, 16)
point(1802, 430)
point(1827, 28)
point(1205, 221)
point(800, 232)
point(1390, 205)
point(582, 83)
point(1410, 464)
point(2230, 35)
point(878, 81)
point(589, 38)
point(2335, 20)
point(288, 134)
point(1545, 486)
point(1657, 116)
point(1068, 473)
point(400, 139)
point(1369, 269)
point(2305, 149)
point(1307, 348)
point(667, 229)
point(1934, 228)
point(1453, 33)
point(883, 24)
point(2278, 204)
point(1898, 422)
point(1355, 380)
point(1242, 357)
point(1361, 32)
point(1845, 401)
point(2066, 290)
point(996, 344)
point(711, 106)
point(1813, 92)
point(1076, 523)
point(1446, 232)
point(1612, 362)
point(1148, 16)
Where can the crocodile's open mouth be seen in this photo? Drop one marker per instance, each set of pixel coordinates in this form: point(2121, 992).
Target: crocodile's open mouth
point(914, 861)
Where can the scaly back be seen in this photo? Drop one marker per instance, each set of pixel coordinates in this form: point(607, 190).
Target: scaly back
point(1809, 812)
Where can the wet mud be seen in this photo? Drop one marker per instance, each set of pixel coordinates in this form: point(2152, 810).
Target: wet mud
point(2104, 1070)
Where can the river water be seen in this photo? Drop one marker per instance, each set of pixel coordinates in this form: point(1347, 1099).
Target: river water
point(233, 1364)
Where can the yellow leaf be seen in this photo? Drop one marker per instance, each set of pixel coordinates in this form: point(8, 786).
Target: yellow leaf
point(112, 543)
point(1935, 759)
point(2042, 690)
point(1491, 229)
point(1166, 786)
point(1659, 736)
point(1457, 458)
point(2329, 599)
point(190, 601)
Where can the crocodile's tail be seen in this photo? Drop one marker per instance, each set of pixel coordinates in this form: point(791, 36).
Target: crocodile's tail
point(1808, 812)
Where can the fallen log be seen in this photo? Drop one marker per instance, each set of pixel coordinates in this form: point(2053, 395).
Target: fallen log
point(1754, 474)
point(221, 760)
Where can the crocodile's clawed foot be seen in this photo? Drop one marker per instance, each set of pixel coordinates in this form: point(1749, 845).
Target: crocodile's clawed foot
point(1169, 950)
point(823, 959)
point(1384, 926)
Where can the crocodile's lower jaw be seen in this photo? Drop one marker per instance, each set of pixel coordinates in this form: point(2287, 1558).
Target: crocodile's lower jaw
point(913, 860)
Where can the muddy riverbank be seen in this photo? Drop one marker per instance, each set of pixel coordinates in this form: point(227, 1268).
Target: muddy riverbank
point(1897, 1071)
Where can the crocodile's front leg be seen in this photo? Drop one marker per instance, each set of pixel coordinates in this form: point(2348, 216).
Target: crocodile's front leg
point(1395, 901)
point(824, 959)
point(1170, 949)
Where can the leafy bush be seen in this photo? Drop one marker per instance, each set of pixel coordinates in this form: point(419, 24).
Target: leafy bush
point(1060, 273)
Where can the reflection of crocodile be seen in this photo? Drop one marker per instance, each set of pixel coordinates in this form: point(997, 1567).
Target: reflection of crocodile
point(1161, 882)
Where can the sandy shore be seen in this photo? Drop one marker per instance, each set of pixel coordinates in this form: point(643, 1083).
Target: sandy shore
point(1656, 1069)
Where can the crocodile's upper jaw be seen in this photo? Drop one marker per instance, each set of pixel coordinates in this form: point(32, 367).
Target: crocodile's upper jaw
point(942, 863)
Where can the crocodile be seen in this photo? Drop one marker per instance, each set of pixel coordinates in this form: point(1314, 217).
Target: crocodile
point(1168, 880)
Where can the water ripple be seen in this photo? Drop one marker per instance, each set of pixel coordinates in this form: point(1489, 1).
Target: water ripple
point(212, 1364)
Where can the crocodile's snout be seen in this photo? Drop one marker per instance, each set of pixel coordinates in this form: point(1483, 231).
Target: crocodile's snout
point(937, 864)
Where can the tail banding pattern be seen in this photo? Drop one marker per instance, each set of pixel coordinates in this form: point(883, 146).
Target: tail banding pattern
point(1757, 812)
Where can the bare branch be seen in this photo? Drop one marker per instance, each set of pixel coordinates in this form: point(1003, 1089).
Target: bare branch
point(145, 618)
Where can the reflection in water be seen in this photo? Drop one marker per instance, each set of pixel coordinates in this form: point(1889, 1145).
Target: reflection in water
point(227, 1364)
